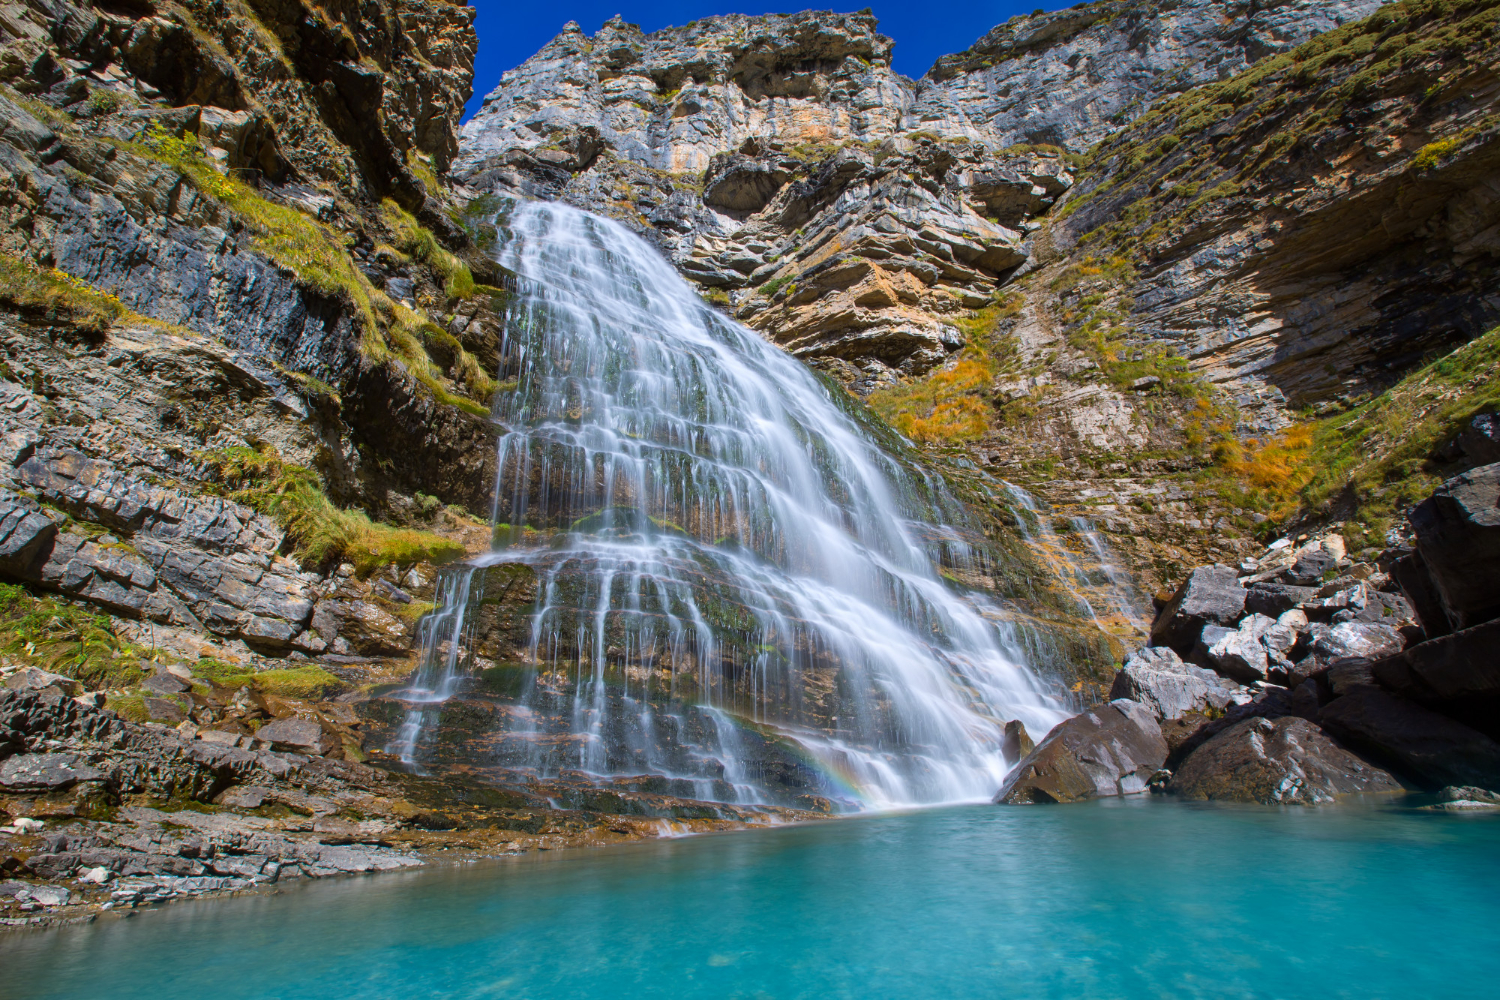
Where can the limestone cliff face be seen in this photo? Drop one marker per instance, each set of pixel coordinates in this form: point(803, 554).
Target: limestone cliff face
point(1085, 249)
point(851, 214)
point(1072, 77)
point(203, 207)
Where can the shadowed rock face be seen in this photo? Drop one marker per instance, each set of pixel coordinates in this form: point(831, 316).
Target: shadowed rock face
point(1284, 761)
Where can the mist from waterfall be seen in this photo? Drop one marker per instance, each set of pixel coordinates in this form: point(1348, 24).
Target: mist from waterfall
point(729, 554)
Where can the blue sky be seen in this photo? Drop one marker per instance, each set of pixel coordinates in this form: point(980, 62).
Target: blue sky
point(509, 33)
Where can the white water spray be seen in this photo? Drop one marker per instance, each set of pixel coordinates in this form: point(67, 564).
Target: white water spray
point(729, 555)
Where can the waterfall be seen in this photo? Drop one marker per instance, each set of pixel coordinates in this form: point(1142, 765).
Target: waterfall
point(745, 589)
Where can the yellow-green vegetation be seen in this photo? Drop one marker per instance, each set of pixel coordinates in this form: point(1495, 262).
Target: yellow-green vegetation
point(65, 639)
point(1095, 309)
point(419, 242)
point(321, 532)
point(1276, 110)
point(954, 404)
point(313, 251)
point(429, 351)
point(308, 683)
point(26, 287)
point(1378, 456)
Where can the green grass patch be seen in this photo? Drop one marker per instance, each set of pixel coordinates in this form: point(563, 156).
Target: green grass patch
point(64, 639)
point(305, 683)
point(419, 242)
point(322, 533)
point(57, 295)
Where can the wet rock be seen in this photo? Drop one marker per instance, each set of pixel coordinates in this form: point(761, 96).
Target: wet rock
point(1111, 750)
point(296, 735)
point(1458, 535)
point(45, 772)
point(1431, 749)
point(1283, 761)
point(1212, 595)
point(1017, 742)
point(1158, 679)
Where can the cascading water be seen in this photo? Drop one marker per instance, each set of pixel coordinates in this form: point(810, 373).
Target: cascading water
point(740, 583)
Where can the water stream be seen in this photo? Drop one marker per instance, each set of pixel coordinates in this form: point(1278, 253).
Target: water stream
point(742, 582)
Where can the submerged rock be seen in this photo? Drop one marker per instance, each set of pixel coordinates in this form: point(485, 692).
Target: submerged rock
point(1111, 750)
point(1276, 761)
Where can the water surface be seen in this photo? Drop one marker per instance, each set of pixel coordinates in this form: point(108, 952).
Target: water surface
point(1119, 900)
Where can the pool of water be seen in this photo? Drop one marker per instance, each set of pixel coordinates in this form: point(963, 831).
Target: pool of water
point(1112, 900)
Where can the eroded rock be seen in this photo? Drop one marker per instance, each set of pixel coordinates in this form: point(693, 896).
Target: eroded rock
point(1283, 761)
point(1111, 750)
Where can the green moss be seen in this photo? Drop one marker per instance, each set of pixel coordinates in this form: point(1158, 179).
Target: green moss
point(221, 674)
point(305, 683)
point(321, 532)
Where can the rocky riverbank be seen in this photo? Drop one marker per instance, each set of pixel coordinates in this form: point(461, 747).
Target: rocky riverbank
point(1304, 676)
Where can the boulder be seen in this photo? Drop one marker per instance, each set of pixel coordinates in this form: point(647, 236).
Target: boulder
point(1453, 667)
point(1212, 595)
point(1458, 534)
point(1309, 569)
point(45, 772)
point(1480, 440)
point(1158, 679)
point(1110, 750)
point(1366, 640)
point(35, 679)
point(1275, 599)
point(1429, 748)
point(1276, 761)
point(1241, 655)
point(1017, 742)
point(297, 735)
point(1410, 574)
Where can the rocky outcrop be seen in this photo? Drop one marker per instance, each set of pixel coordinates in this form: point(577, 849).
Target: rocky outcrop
point(844, 210)
point(1169, 688)
point(1072, 77)
point(1458, 535)
point(1286, 761)
point(1112, 750)
point(1433, 749)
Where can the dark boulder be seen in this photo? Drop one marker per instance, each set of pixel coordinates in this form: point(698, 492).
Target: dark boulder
point(1458, 534)
point(1366, 640)
point(1017, 742)
point(1110, 750)
point(1410, 574)
point(1431, 749)
point(1458, 674)
point(1480, 440)
point(1275, 599)
point(1309, 569)
point(1212, 595)
point(1276, 761)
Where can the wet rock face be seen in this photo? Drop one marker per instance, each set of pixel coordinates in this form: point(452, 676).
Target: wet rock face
point(1286, 761)
point(1112, 750)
